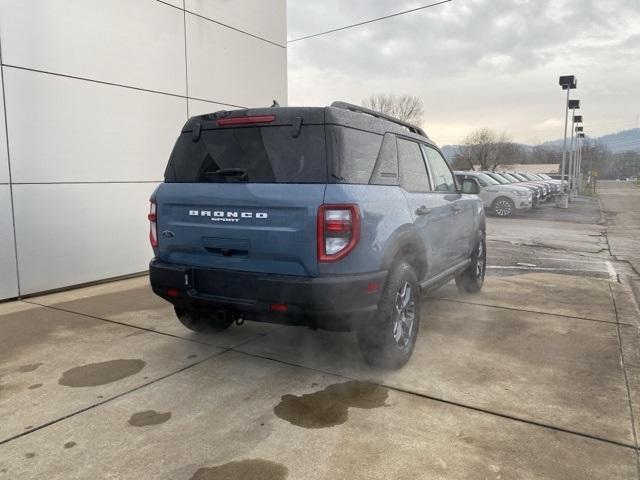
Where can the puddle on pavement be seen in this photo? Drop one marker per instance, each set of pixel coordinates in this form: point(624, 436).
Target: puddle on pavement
point(330, 407)
point(149, 417)
point(70, 444)
point(101, 373)
point(29, 368)
point(252, 469)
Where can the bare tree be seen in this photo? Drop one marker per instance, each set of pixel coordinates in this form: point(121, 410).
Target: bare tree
point(408, 108)
point(486, 149)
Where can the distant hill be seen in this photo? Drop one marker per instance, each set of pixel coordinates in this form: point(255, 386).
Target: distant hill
point(622, 141)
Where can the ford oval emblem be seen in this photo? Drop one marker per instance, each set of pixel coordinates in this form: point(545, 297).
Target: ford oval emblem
point(167, 234)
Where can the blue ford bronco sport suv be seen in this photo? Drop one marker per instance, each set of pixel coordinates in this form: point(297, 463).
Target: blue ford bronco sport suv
point(331, 217)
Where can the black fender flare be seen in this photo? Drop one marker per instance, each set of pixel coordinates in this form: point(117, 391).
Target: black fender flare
point(406, 239)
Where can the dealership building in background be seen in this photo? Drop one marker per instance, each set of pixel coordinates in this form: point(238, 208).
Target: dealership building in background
point(94, 95)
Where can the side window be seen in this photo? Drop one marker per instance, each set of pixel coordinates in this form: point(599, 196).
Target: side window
point(413, 171)
point(386, 169)
point(354, 154)
point(443, 180)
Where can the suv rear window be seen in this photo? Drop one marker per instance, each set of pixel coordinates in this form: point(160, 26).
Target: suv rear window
point(269, 154)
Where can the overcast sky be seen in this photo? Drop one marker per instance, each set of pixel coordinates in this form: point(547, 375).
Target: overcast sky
point(475, 63)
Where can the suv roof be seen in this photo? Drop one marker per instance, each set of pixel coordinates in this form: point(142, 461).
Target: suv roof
point(339, 113)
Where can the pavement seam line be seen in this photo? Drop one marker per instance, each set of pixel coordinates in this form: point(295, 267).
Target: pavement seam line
point(260, 335)
point(120, 395)
point(626, 382)
point(445, 299)
point(52, 307)
point(139, 387)
point(448, 402)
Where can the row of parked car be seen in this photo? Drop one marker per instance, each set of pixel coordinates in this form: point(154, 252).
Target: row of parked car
point(504, 193)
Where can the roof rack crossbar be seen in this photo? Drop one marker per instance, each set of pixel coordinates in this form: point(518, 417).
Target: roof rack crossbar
point(356, 108)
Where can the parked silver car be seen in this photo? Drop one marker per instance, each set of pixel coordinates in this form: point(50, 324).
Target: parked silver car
point(502, 200)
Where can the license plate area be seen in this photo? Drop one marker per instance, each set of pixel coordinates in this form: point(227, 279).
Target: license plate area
point(225, 284)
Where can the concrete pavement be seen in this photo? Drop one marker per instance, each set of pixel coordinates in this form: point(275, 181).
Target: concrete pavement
point(538, 376)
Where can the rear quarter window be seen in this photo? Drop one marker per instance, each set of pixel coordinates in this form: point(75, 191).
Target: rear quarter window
point(354, 154)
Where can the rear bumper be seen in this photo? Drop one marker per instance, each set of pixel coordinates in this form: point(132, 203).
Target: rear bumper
point(334, 302)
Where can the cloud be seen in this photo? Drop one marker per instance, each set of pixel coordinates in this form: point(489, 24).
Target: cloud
point(473, 62)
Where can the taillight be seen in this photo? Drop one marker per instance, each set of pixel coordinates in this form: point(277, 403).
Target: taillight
point(245, 120)
point(338, 231)
point(153, 225)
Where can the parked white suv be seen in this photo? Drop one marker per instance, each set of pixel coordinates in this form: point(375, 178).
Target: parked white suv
point(503, 200)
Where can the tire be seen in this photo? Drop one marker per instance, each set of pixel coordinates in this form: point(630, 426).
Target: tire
point(472, 278)
point(389, 340)
point(503, 207)
point(201, 322)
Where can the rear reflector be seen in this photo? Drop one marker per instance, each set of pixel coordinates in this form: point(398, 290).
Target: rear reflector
point(245, 120)
point(373, 287)
point(173, 292)
point(279, 307)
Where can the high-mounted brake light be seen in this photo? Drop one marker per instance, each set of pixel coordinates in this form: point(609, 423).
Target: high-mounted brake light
point(338, 231)
point(223, 122)
point(153, 225)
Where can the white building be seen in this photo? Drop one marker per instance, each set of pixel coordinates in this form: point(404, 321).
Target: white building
point(94, 95)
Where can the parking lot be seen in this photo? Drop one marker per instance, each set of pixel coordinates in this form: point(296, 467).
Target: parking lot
point(537, 376)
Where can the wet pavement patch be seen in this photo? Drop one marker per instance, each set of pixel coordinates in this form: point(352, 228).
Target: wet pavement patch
point(330, 407)
point(29, 368)
point(30, 455)
point(252, 469)
point(101, 373)
point(149, 417)
point(70, 444)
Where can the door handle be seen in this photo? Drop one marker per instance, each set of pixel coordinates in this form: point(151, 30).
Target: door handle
point(456, 209)
point(422, 210)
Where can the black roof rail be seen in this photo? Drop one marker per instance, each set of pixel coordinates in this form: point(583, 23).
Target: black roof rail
point(356, 108)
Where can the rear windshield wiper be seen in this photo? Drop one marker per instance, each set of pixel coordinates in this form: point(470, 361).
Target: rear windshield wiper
point(239, 173)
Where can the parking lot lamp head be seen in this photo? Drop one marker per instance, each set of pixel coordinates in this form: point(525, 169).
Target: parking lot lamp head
point(568, 82)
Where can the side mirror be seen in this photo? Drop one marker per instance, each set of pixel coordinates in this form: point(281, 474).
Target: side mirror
point(470, 186)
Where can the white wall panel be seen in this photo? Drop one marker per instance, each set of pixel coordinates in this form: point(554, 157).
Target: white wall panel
point(4, 164)
point(138, 43)
point(71, 234)
point(230, 67)
point(68, 130)
point(8, 277)
point(197, 107)
point(264, 18)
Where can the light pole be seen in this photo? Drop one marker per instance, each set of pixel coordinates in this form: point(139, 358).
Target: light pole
point(568, 83)
point(574, 119)
point(578, 168)
point(581, 136)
